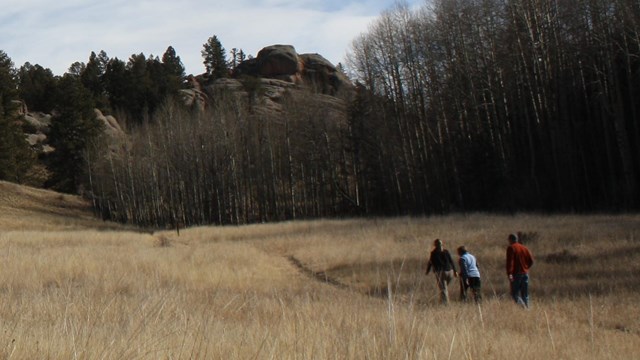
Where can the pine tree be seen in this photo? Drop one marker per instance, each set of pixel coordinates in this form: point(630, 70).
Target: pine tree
point(172, 63)
point(91, 77)
point(36, 86)
point(76, 69)
point(16, 158)
point(141, 96)
point(237, 57)
point(173, 72)
point(215, 59)
point(129, 86)
point(8, 91)
point(73, 130)
point(115, 82)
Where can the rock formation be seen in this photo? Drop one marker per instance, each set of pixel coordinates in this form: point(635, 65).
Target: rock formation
point(37, 126)
point(281, 62)
point(278, 61)
point(277, 70)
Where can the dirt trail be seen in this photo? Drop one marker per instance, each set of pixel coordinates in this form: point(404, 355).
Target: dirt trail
point(319, 276)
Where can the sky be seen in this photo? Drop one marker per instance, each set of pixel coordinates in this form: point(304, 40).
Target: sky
point(57, 33)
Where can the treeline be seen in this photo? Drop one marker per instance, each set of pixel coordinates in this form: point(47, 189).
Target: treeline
point(134, 88)
point(503, 105)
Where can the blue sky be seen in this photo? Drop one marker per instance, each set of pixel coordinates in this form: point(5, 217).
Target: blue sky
point(55, 34)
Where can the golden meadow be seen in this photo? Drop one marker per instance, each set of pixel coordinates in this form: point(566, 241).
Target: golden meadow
point(73, 287)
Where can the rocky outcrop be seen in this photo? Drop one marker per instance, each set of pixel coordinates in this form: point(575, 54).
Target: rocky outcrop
point(21, 107)
point(38, 122)
point(265, 81)
point(278, 61)
point(111, 126)
point(194, 96)
point(322, 75)
point(264, 95)
point(282, 62)
point(37, 125)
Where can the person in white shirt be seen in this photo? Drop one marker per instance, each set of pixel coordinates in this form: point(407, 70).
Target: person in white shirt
point(469, 275)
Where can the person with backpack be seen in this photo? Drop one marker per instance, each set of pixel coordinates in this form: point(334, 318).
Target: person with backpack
point(443, 267)
point(469, 275)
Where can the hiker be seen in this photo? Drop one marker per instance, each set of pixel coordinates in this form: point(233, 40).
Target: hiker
point(443, 267)
point(519, 260)
point(469, 275)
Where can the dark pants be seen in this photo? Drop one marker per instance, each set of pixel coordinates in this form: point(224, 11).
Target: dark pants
point(520, 289)
point(474, 284)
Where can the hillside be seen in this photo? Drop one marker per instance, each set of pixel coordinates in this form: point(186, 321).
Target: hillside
point(28, 208)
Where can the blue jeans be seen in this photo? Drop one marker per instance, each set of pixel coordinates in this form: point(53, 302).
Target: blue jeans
point(520, 289)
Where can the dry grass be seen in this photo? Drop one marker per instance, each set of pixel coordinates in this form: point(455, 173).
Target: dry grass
point(68, 291)
point(27, 208)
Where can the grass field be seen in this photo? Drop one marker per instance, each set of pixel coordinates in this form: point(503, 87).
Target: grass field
point(72, 287)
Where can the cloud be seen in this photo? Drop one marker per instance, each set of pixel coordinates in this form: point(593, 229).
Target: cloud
point(55, 34)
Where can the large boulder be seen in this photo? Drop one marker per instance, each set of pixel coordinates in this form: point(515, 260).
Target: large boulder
point(21, 107)
point(321, 74)
point(194, 96)
point(282, 62)
point(278, 61)
point(111, 126)
point(37, 121)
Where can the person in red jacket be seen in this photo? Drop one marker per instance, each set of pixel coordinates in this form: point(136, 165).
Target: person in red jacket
point(519, 261)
